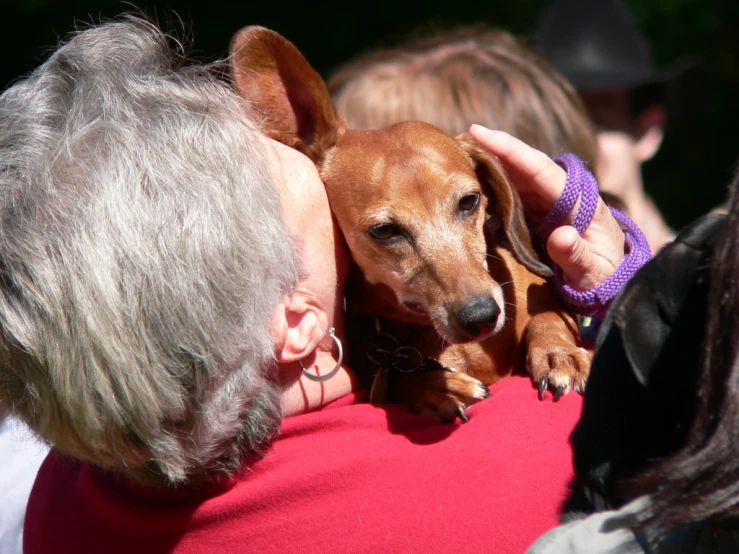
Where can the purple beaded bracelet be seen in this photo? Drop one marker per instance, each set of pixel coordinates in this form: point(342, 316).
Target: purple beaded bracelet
point(581, 183)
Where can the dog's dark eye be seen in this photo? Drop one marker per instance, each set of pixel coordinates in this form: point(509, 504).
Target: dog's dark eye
point(470, 202)
point(384, 231)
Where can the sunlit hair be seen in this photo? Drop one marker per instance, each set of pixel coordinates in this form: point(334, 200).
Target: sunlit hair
point(468, 75)
point(142, 257)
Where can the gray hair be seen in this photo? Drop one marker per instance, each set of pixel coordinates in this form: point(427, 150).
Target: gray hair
point(142, 257)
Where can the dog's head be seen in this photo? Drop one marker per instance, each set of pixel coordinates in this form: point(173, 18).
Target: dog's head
point(413, 203)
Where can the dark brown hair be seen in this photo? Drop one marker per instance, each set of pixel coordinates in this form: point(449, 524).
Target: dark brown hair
point(701, 481)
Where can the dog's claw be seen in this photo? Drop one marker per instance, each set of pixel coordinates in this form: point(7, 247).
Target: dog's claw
point(559, 392)
point(543, 386)
point(443, 396)
point(557, 364)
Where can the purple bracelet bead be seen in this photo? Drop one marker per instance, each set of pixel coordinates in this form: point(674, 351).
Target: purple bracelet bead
point(581, 183)
point(594, 302)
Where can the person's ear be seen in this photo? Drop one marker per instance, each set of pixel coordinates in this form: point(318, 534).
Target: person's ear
point(298, 327)
point(650, 128)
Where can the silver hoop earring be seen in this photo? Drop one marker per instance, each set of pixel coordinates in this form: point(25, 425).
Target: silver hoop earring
point(320, 378)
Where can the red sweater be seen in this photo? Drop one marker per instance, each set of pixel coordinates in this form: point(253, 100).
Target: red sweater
point(350, 477)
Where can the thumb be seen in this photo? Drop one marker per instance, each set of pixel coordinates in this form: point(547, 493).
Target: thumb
point(581, 268)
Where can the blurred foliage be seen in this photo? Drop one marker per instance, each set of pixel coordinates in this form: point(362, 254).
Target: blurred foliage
point(687, 177)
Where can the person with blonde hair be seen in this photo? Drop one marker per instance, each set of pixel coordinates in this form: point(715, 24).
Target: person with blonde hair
point(463, 76)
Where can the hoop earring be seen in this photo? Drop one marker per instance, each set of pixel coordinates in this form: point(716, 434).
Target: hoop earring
point(321, 378)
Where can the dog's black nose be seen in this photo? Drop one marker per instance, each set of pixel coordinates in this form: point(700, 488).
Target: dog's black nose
point(478, 316)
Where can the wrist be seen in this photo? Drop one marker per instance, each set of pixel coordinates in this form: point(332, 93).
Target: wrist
point(595, 301)
point(581, 194)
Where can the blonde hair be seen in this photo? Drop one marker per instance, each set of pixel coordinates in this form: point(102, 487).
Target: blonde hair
point(468, 75)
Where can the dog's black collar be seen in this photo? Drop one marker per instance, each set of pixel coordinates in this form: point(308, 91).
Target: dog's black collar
point(386, 351)
point(391, 354)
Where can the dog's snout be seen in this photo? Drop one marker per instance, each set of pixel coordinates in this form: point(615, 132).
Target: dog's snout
point(478, 316)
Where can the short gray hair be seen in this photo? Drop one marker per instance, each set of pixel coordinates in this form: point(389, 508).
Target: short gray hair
point(142, 257)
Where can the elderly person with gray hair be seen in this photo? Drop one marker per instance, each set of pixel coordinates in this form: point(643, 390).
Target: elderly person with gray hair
point(172, 288)
point(124, 281)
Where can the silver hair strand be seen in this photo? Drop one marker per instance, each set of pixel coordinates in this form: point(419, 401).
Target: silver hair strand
point(142, 256)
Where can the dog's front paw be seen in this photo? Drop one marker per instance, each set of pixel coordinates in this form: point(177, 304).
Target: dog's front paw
point(556, 363)
point(438, 394)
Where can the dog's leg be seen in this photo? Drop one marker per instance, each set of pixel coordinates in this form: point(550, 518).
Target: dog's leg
point(438, 394)
point(554, 358)
point(442, 394)
point(547, 334)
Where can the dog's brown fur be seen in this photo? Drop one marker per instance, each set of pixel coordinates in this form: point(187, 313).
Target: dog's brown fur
point(406, 199)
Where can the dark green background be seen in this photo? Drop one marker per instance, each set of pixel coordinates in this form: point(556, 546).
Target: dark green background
point(687, 178)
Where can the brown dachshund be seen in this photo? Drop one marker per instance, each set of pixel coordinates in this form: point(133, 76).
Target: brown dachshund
point(436, 232)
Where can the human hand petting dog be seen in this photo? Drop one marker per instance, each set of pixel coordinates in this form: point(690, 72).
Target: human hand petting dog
point(586, 260)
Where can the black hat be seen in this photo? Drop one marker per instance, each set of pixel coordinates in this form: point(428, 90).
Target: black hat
point(597, 45)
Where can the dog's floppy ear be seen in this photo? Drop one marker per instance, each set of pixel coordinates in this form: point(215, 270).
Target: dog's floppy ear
point(503, 199)
point(290, 98)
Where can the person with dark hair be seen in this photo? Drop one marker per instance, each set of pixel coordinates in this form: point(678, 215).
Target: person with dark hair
point(658, 462)
point(601, 50)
